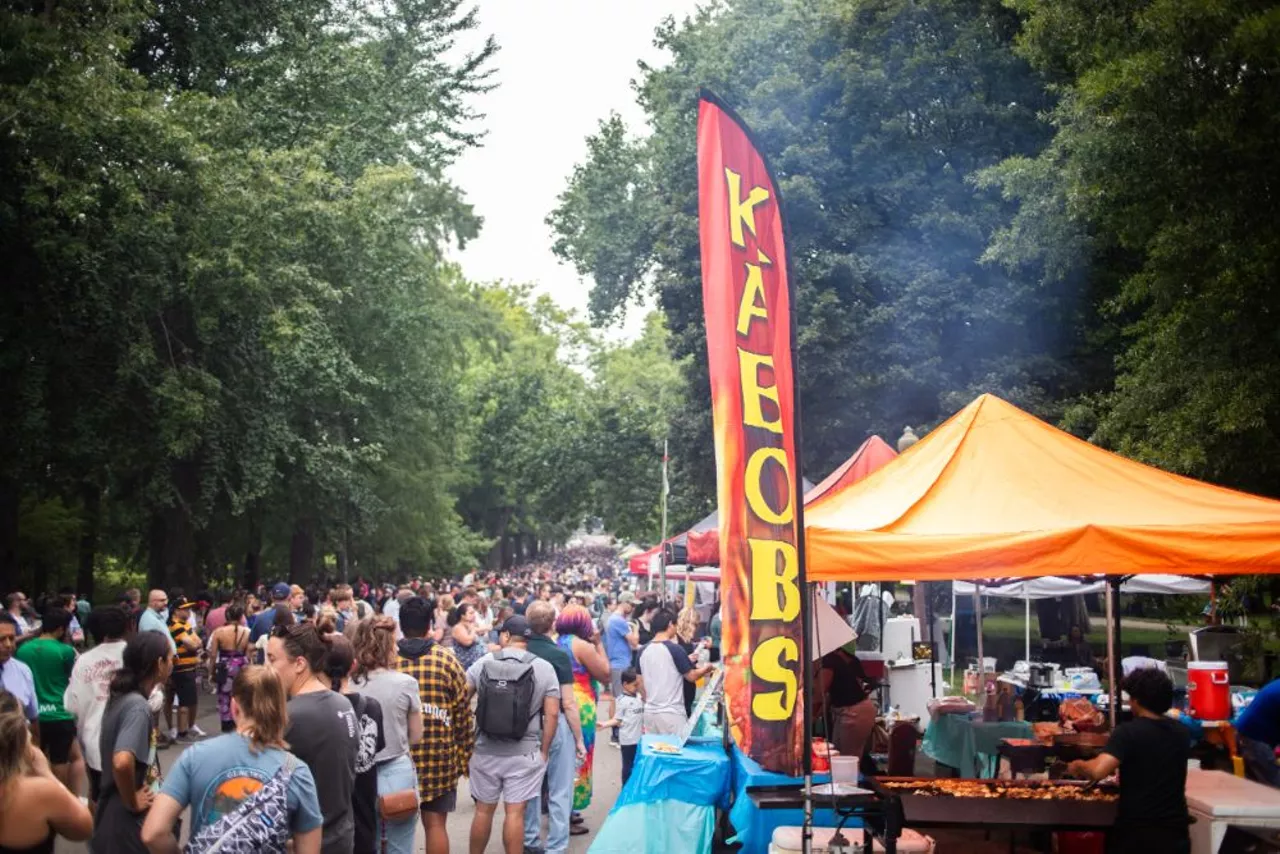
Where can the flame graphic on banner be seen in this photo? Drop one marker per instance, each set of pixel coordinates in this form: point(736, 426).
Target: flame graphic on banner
point(747, 303)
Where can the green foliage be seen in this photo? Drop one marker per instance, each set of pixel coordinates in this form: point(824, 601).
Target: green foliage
point(226, 314)
point(875, 116)
point(1154, 191)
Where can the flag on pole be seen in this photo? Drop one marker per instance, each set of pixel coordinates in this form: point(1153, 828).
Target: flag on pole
point(747, 302)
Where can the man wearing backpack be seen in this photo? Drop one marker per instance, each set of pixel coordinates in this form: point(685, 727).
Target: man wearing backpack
point(517, 712)
point(562, 763)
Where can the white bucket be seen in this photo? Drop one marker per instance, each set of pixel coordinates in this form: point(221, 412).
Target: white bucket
point(844, 769)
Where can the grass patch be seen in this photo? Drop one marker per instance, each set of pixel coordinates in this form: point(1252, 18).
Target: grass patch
point(1011, 627)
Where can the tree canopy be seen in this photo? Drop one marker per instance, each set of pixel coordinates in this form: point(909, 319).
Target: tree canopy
point(235, 348)
point(1064, 204)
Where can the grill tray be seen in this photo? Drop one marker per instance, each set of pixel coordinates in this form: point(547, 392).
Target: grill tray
point(923, 810)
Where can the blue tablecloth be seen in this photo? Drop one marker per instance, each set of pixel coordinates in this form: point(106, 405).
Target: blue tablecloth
point(754, 827)
point(670, 802)
point(698, 774)
point(970, 745)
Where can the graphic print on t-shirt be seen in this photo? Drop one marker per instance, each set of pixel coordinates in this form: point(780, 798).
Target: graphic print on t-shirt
point(228, 790)
point(367, 743)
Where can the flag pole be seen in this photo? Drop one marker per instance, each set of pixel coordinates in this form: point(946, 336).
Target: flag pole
point(662, 543)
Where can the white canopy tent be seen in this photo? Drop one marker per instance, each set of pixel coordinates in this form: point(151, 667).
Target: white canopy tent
point(1027, 589)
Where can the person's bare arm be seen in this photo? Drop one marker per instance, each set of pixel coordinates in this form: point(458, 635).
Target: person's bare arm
point(415, 726)
point(309, 842)
point(157, 830)
point(592, 657)
point(569, 708)
point(67, 815)
point(550, 718)
point(1100, 767)
point(135, 800)
point(698, 672)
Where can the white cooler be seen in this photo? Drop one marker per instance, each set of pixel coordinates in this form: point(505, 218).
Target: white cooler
point(787, 840)
point(1217, 799)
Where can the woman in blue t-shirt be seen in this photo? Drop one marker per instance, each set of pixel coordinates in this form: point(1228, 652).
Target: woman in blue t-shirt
point(217, 776)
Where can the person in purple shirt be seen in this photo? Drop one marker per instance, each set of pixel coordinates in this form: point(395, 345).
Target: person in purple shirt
point(16, 677)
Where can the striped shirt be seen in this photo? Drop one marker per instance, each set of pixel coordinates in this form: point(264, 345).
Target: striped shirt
point(185, 658)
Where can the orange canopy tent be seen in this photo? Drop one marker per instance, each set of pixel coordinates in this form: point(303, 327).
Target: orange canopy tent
point(996, 492)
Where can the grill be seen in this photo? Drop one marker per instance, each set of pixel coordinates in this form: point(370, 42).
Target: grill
point(919, 810)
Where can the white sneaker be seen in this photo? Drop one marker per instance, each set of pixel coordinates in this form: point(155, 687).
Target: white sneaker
point(173, 734)
point(197, 732)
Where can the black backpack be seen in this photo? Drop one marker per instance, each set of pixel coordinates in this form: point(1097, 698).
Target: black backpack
point(505, 696)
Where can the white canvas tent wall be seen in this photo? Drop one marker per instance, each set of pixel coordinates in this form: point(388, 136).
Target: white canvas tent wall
point(1049, 588)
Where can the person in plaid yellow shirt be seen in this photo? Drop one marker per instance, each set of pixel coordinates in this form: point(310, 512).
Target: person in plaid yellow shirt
point(448, 731)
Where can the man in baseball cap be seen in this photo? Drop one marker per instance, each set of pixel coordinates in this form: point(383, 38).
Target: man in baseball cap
point(502, 769)
point(263, 622)
point(517, 626)
point(620, 642)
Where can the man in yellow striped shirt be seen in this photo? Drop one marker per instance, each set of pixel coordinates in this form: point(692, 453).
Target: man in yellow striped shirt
point(184, 670)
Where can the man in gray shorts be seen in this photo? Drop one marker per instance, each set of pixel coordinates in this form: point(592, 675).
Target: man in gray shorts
point(512, 770)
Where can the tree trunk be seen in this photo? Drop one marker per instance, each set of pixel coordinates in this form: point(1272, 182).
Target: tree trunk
point(91, 497)
point(499, 519)
point(9, 510)
point(1078, 614)
point(172, 550)
point(1048, 612)
point(253, 556)
point(302, 549)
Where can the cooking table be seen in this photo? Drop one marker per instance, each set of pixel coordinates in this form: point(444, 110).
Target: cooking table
point(962, 743)
point(1217, 799)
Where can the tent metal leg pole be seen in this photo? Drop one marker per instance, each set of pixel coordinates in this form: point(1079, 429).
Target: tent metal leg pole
point(1113, 666)
point(951, 664)
point(977, 621)
point(922, 588)
point(1026, 598)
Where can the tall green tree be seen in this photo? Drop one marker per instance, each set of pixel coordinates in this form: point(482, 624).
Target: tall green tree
point(638, 389)
point(1157, 191)
point(876, 115)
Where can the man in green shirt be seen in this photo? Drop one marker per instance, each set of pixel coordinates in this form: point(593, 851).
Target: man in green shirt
point(51, 658)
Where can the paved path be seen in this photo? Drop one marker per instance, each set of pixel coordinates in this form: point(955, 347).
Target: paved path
point(608, 778)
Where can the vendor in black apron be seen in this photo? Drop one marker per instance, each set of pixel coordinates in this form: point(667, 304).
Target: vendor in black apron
point(1151, 752)
point(843, 690)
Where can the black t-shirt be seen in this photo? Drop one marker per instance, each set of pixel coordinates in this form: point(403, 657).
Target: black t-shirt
point(323, 733)
point(847, 680)
point(1153, 771)
point(364, 798)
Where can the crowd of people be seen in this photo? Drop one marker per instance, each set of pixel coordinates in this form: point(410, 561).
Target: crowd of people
point(348, 715)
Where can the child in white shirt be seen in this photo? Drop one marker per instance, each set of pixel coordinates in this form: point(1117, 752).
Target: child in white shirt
point(628, 712)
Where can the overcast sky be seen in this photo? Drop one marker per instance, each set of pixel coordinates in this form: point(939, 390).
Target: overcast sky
point(562, 66)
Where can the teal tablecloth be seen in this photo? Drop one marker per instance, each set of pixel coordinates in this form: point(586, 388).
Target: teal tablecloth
point(670, 802)
point(969, 745)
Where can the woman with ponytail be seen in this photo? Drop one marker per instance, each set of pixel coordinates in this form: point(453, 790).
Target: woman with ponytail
point(396, 693)
point(372, 739)
point(130, 774)
point(34, 806)
point(323, 730)
point(219, 777)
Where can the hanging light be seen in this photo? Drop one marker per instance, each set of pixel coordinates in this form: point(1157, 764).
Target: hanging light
point(907, 439)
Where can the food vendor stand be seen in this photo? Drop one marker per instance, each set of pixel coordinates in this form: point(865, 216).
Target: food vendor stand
point(997, 493)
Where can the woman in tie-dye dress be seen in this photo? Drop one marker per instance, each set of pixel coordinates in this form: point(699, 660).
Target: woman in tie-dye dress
point(579, 638)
